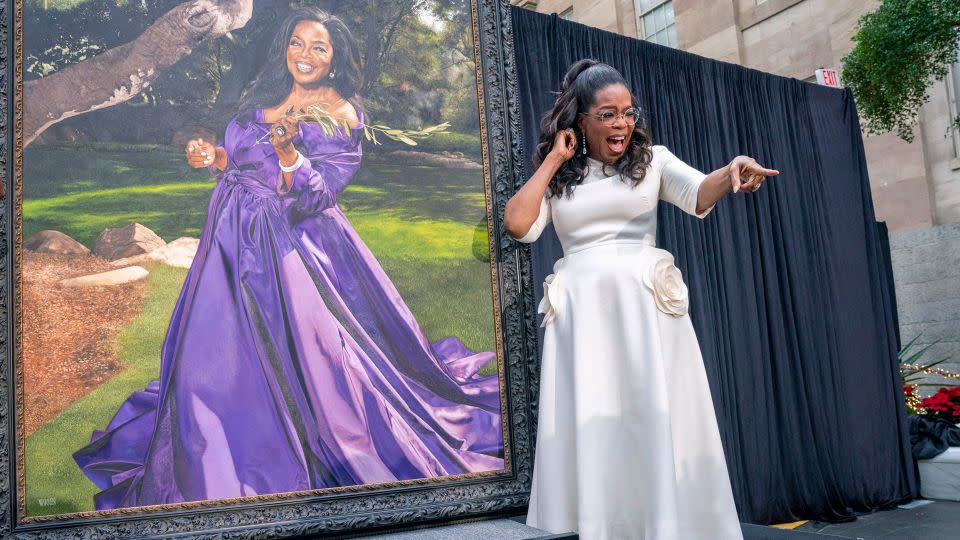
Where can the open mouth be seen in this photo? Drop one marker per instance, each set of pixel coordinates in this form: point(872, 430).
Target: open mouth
point(617, 144)
point(304, 68)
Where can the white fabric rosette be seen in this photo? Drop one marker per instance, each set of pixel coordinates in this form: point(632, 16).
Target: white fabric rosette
point(550, 304)
point(665, 282)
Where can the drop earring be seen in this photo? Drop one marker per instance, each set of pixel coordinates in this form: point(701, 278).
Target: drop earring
point(584, 151)
point(333, 74)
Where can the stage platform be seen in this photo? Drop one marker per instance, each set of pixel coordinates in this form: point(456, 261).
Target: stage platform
point(513, 529)
point(919, 520)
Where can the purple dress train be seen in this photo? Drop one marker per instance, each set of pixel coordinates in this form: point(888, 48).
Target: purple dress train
point(291, 362)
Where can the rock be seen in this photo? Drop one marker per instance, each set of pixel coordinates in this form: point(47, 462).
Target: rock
point(55, 242)
point(179, 253)
point(134, 239)
point(106, 279)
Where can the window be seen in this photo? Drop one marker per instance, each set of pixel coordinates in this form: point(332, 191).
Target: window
point(657, 21)
point(567, 14)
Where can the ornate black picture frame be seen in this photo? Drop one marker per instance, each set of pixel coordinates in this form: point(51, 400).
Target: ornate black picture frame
point(333, 512)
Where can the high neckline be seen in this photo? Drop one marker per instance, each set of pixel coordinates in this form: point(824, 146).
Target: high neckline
point(597, 171)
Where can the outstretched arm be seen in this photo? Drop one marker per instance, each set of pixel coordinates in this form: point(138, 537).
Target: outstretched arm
point(743, 173)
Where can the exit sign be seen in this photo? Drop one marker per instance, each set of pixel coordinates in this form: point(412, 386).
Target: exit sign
point(828, 77)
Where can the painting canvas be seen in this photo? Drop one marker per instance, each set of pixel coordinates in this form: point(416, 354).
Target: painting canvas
point(256, 256)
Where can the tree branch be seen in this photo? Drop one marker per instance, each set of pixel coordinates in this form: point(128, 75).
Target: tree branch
point(119, 74)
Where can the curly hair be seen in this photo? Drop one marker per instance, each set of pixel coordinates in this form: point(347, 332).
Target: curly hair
point(577, 94)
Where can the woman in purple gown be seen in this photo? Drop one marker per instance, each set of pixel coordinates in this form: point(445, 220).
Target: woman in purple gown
point(291, 362)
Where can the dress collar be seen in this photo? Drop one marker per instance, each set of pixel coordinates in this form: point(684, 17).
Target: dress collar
point(597, 170)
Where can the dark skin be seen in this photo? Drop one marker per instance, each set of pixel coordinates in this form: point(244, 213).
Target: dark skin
point(309, 59)
point(743, 173)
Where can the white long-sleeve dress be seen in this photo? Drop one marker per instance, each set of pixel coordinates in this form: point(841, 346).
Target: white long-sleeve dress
point(627, 444)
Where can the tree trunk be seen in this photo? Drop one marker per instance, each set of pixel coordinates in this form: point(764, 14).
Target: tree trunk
point(371, 68)
point(119, 74)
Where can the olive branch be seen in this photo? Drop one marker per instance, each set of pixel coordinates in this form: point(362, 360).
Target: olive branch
point(332, 125)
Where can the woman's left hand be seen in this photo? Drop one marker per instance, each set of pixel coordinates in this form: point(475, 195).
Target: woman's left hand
point(281, 137)
point(747, 175)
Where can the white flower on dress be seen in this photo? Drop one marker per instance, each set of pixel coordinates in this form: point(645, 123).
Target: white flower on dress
point(548, 305)
point(665, 282)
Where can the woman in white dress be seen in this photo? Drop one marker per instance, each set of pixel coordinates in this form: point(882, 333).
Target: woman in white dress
point(627, 443)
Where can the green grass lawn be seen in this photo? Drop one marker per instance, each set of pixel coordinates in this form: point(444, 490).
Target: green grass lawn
point(54, 482)
point(425, 225)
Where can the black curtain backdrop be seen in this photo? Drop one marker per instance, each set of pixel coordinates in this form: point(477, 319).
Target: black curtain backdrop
point(791, 294)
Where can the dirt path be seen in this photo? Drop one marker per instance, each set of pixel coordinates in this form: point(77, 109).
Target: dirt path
point(68, 333)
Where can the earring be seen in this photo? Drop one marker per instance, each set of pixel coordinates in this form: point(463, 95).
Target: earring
point(333, 74)
point(584, 151)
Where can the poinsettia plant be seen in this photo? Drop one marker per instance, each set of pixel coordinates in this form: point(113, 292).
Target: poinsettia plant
point(914, 372)
point(945, 404)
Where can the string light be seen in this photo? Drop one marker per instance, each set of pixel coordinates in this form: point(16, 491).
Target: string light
point(914, 403)
point(932, 371)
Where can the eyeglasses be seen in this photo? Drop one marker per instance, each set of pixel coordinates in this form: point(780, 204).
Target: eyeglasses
point(609, 118)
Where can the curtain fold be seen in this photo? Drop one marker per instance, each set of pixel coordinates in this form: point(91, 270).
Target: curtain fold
point(791, 294)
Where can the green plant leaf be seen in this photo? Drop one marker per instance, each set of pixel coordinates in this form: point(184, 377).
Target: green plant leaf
point(908, 345)
point(915, 356)
point(901, 49)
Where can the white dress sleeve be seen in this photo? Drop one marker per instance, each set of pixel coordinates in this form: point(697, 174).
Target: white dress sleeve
point(679, 182)
point(543, 219)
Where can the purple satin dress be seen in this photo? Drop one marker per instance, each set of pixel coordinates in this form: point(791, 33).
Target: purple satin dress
point(291, 362)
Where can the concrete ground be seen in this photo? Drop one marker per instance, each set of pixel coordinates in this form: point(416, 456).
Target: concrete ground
point(935, 520)
point(920, 520)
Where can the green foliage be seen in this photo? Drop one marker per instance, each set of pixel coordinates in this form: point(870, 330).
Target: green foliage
point(912, 369)
point(901, 48)
point(334, 126)
point(481, 241)
point(59, 33)
point(58, 55)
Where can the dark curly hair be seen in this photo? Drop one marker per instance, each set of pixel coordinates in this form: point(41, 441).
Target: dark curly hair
point(577, 94)
point(273, 83)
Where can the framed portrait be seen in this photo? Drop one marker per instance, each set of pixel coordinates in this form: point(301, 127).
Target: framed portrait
point(255, 282)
